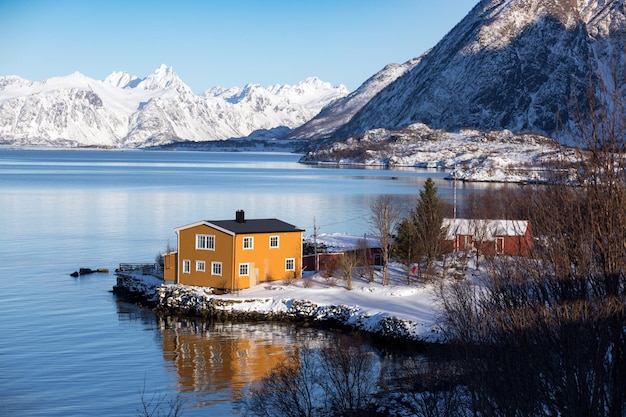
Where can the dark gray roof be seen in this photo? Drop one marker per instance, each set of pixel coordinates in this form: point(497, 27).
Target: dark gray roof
point(255, 226)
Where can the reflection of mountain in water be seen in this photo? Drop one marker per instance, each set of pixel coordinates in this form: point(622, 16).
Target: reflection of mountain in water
point(215, 356)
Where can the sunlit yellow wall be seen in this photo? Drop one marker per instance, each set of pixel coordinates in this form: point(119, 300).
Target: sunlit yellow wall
point(265, 263)
point(223, 253)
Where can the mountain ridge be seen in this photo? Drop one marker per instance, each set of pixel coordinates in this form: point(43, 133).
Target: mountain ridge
point(127, 111)
point(513, 65)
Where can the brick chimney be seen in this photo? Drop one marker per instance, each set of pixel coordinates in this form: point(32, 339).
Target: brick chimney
point(240, 216)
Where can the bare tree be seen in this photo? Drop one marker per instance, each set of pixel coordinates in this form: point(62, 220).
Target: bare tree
point(383, 219)
point(366, 260)
point(552, 324)
point(290, 389)
point(337, 380)
point(159, 405)
point(349, 380)
point(482, 236)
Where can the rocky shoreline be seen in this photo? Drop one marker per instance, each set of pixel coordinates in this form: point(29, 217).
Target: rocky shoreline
point(199, 302)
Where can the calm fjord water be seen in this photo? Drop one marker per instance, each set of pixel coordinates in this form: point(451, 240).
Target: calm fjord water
point(68, 347)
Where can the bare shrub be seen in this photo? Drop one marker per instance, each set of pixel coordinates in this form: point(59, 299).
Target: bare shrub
point(331, 266)
point(349, 383)
point(330, 280)
point(432, 389)
point(290, 279)
point(336, 380)
point(289, 390)
point(307, 282)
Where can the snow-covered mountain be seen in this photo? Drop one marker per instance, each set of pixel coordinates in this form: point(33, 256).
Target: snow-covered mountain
point(341, 111)
point(126, 111)
point(509, 64)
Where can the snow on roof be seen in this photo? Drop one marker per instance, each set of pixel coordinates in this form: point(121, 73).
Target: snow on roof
point(488, 228)
point(340, 242)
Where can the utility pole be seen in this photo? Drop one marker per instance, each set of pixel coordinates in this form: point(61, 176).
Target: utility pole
point(454, 207)
point(317, 263)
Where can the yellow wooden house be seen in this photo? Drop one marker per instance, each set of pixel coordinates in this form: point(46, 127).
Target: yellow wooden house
point(235, 254)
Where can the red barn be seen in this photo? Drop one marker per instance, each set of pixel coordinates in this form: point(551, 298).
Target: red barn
point(492, 237)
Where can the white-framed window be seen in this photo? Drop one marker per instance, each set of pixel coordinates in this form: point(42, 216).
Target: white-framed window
point(205, 242)
point(244, 269)
point(248, 242)
point(216, 268)
point(274, 241)
point(200, 266)
point(290, 264)
point(186, 266)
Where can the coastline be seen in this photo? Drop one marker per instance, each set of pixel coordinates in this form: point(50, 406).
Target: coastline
point(200, 302)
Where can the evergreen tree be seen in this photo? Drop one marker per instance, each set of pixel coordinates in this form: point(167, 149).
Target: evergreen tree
point(405, 247)
point(428, 221)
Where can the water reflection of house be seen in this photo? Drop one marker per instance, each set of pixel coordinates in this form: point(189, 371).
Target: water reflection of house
point(209, 363)
point(235, 254)
point(499, 237)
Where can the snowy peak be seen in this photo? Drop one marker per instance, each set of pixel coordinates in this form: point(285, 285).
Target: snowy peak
point(121, 79)
point(310, 91)
point(341, 111)
point(164, 78)
point(11, 80)
point(126, 111)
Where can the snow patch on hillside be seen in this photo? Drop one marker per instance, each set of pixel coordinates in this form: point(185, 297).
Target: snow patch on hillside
point(470, 155)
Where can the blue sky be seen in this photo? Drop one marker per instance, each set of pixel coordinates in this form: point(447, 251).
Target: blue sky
point(221, 43)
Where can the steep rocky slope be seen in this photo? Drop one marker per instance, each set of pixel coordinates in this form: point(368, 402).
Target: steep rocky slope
point(509, 64)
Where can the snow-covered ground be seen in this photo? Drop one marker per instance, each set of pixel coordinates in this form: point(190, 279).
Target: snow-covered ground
point(369, 303)
point(411, 309)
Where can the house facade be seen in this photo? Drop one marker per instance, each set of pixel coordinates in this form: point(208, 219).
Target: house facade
point(235, 254)
point(491, 237)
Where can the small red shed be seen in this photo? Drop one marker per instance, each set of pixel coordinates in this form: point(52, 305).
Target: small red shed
point(492, 236)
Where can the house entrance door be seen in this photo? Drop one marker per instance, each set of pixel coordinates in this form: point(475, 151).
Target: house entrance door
point(254, 275)
point(500, 245)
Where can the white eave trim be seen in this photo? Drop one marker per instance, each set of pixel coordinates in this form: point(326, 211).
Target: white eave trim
point(205, 223)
